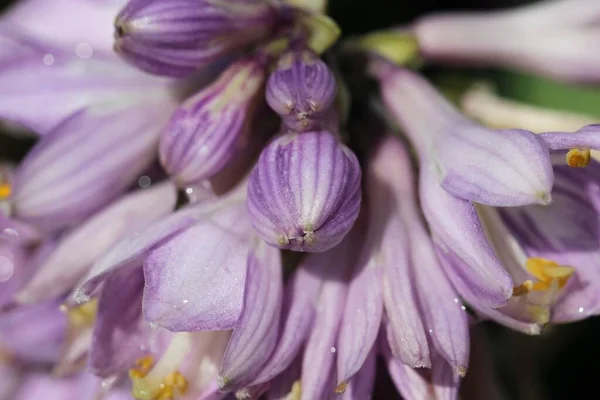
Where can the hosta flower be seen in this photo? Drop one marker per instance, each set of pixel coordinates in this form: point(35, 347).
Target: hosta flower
point(552, 38)
point(211, 128)
point(304, 193)
point(301, 89)
point(176, 37)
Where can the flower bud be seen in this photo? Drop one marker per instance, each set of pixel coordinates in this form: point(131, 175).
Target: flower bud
point(301, 90)
point(304, 193)
point(209, 129)
point(176, 37)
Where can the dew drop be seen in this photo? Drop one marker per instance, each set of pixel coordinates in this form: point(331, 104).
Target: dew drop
point(48, 59)
point(6, 268)
point(333, 349)
point(84, 50)
point(144, 181)
point(580, 309)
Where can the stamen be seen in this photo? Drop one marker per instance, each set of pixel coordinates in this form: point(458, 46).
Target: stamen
point(578, 158)
point(162, 381)
point(548, 272)
point(82, 316)
point(341, 388)
point(5, 190)
point(296, 393)
point(523, 288)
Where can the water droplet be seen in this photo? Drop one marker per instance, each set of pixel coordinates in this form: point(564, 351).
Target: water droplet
point(463, 308)
point(84, 50)
point(580, 309)
point(456, 300)
point(185, 301)
point(189, 190)
point(144, 181)
point(333, 350)
point(48, 59)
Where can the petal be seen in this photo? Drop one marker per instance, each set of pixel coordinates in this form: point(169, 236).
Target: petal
point(361, 319)
point(405, 333)
point(474, 269)
point(499, 168)
point(255, 333)
point(361, 385)
point(301, 294)
point(195, 281)
point(33, 333)
point(119, 331)
point(67, 22)
point(83, 246)
point(41, 84)
point(287, 383)
point(130, 249)
point(82, 165)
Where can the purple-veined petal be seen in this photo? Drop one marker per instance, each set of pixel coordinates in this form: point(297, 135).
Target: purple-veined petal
point(318, 362)
point(33, 333)
point(361, 319)
point(474, 270)
point(195, 280)
point(287, 383)
point(67, 23)
point(83, 164)
point(304, 193)
point(77, 251)
point(119, 331)
point(43, 84)
point(360, 386)
point(498, 168)
point(178, 37)
point(130, 249)
point(211, 128)
point(301, 90)
point(300, 297)
point(255, 333)
point(547, 38)
point(587, 137)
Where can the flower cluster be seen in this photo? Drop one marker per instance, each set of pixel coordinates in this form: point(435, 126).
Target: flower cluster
point(202, 217)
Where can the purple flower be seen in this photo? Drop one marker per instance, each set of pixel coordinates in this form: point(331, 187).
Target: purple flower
point(550, 38)
point(304, 193)
point(176, 37)
point(301, 90)
point(211, 128)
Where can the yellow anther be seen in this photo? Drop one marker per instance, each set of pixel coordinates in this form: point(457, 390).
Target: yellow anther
point(578, 158)
point(296, 393)
point(548, 272)
point(5, 190)
point(83, 316)
point(143, 366)
point(341, 388)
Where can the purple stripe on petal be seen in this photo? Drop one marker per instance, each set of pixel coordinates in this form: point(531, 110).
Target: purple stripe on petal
point(255, 333)
point(80, 248)
point(119, 331)
point(195, 280)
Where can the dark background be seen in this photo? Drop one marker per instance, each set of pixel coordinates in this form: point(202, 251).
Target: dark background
point(559, 364)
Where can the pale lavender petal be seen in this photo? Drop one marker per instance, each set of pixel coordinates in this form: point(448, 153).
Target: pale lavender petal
point(43, 84)
point(83, 164)
point(195, 281)
point(298, 312)
point(119, 331)
point(33, 333)
point(319, 354)
point(474, 270)
point(255, 333)
point(360, 386)
point(587, 137)
point(361, 319)
point(15, 230)
point(549, 38)
point(80, 248)
point(287, 382)
point(498, 168)
point(67, 23)
point(304, 193)
point(130, 250)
